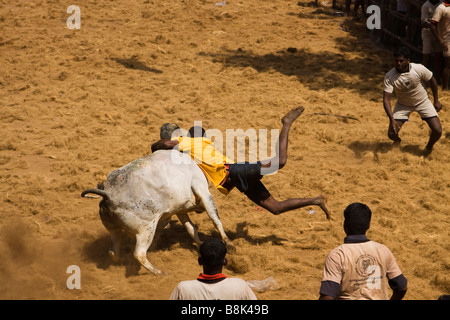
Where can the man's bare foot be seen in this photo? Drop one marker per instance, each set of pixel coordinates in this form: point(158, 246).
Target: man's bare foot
point(427, 152)
point(290, 117)
point(396, 143)
point(322, 203)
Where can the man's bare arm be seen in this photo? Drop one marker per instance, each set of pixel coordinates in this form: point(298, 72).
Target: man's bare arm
point(435, 32)
point(164, 144)
point(388, 108)
point(399, 286)
point(387, 104)
point(434, 88)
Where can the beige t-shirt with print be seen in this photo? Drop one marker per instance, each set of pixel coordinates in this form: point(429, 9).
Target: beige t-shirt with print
point(362, 270)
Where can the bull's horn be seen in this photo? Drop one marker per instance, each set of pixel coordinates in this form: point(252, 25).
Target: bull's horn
point(96, 191)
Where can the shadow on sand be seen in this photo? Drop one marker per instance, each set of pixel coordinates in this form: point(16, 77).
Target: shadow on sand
point(96, 251)
point(133, 63)
point(360, 147)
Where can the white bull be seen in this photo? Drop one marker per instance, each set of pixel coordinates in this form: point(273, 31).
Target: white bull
point(151, 189)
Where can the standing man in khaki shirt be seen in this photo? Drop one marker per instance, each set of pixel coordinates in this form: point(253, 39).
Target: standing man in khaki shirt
point(360, 268)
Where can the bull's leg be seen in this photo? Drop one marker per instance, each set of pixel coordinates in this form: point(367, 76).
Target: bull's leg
point(143, 241)
point(162, 224)
point(211, 210)
point(116, 237)
point(190, 227)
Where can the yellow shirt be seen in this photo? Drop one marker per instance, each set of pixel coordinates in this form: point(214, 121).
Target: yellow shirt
point(210, 161)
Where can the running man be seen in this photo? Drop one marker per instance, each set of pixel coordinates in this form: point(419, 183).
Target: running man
point(246, 177)
point(409, 81)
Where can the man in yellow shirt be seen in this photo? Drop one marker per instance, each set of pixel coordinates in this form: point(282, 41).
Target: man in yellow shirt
point(246, 177)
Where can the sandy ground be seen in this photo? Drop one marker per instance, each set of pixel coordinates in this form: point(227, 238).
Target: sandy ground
point(77, 104)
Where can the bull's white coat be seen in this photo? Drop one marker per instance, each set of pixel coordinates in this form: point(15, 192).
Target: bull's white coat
point(148, 191)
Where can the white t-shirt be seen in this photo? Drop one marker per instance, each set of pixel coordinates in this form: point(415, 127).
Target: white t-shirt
point(442, 17)
point(427, 11)
point(227, 289)
point(409, 86)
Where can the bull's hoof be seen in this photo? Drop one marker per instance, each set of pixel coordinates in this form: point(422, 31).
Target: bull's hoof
point(156, 272)
point(113, 256)
point(230, 246)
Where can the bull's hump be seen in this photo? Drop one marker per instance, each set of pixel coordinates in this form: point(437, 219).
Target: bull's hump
point(156, 169)
point(130, 167)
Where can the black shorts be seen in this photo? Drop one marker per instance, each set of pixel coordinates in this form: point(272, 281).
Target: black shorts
point(246, 177)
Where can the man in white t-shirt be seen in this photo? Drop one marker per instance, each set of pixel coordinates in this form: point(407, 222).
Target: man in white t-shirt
point(360, 269)
point(440, 27)
point(212, 284)
point(431, 49)
point(408, 81)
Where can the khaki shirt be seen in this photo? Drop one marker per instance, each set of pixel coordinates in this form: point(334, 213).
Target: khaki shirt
point(362, 270)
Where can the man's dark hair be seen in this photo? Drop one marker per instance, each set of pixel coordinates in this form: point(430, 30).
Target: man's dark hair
point(212, 252)
point(357, 218)
point(402, 52)
point(197, 132)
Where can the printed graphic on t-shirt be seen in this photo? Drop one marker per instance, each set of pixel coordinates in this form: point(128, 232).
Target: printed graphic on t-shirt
point(369, 271)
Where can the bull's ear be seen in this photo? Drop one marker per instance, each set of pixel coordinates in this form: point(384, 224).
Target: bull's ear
point(101, 185)
point(200, 261)
point(225, 261)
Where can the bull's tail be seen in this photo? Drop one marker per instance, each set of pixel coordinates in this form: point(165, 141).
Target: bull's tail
point(102, 193)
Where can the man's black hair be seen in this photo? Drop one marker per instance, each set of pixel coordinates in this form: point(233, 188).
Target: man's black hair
point(212, 252)
point(357, 218)
point(402, 52)
point(197, 132)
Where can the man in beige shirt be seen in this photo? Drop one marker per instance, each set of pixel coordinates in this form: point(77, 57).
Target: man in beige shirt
point(408, 81)
point(360, 268)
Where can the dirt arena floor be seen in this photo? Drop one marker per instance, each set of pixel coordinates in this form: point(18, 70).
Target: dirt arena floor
point(77, 104)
